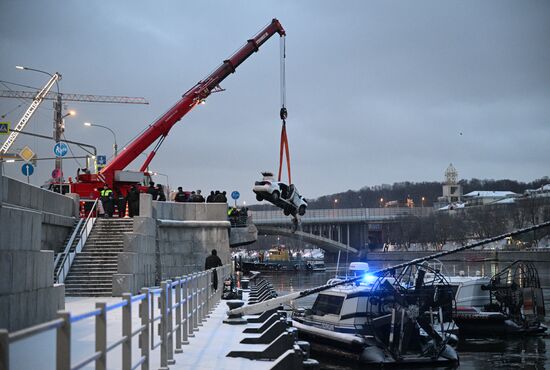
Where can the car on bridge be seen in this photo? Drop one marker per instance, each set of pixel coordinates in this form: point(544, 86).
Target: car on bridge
point(280, 194)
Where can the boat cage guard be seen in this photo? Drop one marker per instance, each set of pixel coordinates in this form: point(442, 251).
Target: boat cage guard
point(516, 291)
point(410, 311)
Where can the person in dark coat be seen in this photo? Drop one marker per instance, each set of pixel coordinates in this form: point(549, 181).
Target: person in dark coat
point(200, 198)
point(153, 191)
point(223, 197)
point(161, 197)
point(120, 204)
point(133, 201)
point(211, 197)
point(212, 262)
point(180, 195)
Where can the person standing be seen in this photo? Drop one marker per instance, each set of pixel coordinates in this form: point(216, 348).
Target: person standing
point(180, 195)
point(107, 200)
point(121, 204)
point(133, 201)
point(212, 262)
point(160, 192)
point(152, 190)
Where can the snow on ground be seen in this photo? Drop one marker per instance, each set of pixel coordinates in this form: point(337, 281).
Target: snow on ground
point(207, 350)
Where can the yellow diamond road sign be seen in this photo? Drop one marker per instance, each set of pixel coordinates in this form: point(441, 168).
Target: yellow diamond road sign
point(26, 154)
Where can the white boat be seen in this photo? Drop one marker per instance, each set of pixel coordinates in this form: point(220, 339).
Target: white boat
point(511, 302)
point(380, 320)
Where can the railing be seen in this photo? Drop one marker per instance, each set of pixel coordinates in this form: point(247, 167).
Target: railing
point(340, 215)
point(183, 303)
point(68, 246)
point(68, 256)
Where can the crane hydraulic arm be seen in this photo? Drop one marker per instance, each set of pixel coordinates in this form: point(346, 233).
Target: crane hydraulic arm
point(160, 128)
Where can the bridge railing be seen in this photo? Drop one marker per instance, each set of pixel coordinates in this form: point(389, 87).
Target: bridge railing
point(183, 303)
point(341, 215)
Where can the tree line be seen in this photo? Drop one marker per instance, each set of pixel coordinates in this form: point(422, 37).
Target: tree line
point(471, 223)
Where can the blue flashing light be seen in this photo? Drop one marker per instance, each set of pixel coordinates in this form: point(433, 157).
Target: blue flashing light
point(369, 278)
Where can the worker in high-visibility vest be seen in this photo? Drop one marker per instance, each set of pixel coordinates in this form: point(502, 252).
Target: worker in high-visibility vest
point(107, 200)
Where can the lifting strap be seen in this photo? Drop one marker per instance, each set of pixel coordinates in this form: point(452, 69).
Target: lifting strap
point(284, 149)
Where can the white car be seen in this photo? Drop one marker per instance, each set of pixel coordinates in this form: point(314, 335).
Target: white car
point(280, 194)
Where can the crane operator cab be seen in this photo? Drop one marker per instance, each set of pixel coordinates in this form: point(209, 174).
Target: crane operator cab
point(281, 195)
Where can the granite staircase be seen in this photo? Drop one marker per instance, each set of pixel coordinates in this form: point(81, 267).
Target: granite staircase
point(92, 271)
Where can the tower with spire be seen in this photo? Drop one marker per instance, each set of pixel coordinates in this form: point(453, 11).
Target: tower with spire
point(452, 190)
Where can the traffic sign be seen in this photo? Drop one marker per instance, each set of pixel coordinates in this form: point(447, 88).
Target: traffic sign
point(26, 154)
point(101, 160)
point(235, 195)
point(60, 149)
point(4, 128)
point(57, 173)
point(27, 169)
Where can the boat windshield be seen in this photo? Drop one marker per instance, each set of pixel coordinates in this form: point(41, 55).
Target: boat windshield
point(327, 304)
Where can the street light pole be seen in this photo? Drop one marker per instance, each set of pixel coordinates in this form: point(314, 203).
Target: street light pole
point(115, 146)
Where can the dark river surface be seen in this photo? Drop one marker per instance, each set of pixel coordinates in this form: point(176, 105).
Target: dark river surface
point(481, 353)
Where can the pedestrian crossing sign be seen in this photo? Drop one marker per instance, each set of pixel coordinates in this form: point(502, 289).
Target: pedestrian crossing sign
point(4, 128)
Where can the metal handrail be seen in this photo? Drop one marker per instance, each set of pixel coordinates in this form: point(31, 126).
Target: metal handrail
point(187, 310)
point(69, 257)
point(67, 248)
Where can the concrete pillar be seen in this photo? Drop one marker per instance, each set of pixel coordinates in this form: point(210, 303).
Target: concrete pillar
point(145, 205)
point(76, 199)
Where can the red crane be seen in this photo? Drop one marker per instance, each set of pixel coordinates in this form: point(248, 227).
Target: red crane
point(113, 174)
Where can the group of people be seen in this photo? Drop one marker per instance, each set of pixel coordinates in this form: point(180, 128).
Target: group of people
point(157, 192)
point(109, 200)
point(197, 197)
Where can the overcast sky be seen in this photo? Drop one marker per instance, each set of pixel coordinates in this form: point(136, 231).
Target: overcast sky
point(377, 92)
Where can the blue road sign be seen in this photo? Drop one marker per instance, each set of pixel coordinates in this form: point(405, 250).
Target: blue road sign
point(235, 195)
point(27, 169)
point(101, 160)
point(60, 149)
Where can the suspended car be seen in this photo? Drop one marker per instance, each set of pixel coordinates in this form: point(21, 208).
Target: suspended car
point(280, 194)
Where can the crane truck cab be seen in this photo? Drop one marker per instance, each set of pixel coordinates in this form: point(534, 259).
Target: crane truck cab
point(280, 194)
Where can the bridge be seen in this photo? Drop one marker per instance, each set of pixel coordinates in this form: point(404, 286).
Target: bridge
point(328, 245)
point(346, 229)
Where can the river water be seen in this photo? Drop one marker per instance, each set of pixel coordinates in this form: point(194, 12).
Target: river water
point(480, 353)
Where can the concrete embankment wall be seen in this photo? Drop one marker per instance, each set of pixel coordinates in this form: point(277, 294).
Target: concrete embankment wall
point(170, 239)
point(32, 220)
point(466, 256)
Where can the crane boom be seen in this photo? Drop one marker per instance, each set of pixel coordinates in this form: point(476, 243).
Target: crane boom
point(161, 127)
point(37, 99)
point(74, 97)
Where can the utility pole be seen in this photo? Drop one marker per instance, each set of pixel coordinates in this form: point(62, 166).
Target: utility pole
point(58, 98)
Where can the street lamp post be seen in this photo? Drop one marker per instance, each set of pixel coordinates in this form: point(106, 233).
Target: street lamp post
point(57, 118)
point(167, 181)
point(115, 146)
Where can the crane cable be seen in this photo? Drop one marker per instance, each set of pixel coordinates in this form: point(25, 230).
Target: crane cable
point(284, 149)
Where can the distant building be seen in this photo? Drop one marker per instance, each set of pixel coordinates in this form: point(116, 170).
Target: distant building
point(485, 197)
point(452, 190)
